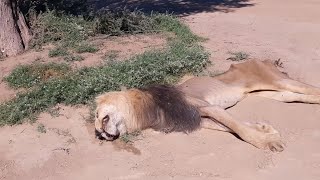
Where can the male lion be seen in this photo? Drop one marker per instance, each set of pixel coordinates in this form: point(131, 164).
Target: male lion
point(200, 102)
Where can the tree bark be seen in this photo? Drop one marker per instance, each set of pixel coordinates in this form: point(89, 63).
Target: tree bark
point(14, 32)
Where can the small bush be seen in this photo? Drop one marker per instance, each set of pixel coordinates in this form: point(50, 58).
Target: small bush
point(41, 128)
point(58, 51)
point(70, 58)
point(85, 47)
point(122, 21)
point(30, 75)
point(278, 63)
point(70, 30)
point(238, 56)
point(67, 30)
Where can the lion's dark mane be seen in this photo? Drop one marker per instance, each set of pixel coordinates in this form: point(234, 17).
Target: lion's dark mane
point(169, 111)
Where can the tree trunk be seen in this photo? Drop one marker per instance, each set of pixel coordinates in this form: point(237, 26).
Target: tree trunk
point(14, 32)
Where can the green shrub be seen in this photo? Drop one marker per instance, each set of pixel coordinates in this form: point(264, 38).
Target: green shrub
point(123, 21)
point(70, 30)
point(67, 30)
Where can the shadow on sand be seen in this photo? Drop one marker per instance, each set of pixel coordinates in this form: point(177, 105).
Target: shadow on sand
point(177, 7)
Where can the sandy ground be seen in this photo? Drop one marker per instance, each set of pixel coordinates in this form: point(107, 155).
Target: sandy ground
point(287, 29)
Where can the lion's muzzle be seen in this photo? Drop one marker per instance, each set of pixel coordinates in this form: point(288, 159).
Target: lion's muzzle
point(105, 136)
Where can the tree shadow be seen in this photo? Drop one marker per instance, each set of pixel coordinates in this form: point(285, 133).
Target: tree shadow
point(177, 7)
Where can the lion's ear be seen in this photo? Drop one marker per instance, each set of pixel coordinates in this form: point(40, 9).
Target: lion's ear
point(123, 88)
point(99, 99)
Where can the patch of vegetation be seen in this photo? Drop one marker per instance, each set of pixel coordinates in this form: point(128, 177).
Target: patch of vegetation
point(278, 63)
point(41, 128)
point(182, 55)
point(130, 137)
point(75, 7)
point(122, 21)
point(71, 58)
point(86, 48)
point(58, 51)
point(70, 31)
point(67, 30)
point(238, 56)
point(111, 55)
point(26, 76)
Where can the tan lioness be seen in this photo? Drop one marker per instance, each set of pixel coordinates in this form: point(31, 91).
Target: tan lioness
point(200, 102)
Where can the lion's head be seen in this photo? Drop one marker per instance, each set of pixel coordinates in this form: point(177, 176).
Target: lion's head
point(159, 107)
point(111, 114)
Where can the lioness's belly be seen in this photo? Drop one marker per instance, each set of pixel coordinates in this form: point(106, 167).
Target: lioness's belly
point(213, 91)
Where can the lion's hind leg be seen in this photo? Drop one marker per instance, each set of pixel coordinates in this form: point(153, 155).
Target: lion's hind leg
point(298, 87)
point(288, 96)
point(260, 135)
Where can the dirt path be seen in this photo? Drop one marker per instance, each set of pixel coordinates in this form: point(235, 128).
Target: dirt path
point(273, 29)
point(287, 29)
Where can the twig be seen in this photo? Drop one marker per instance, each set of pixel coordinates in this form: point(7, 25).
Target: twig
point(22, 130)
point(67, 150)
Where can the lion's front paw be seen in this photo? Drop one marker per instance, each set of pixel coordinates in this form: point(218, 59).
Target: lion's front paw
point(264, 136)
point(272, 141)
point(276, 146)
point(272, 138)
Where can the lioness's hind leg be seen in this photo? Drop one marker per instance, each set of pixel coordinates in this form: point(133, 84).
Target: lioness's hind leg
point(260, 136)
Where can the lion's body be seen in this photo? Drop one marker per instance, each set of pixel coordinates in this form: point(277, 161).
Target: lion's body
point(200, 102)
